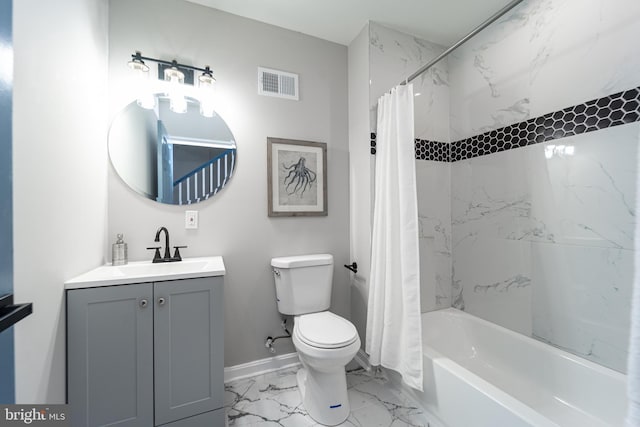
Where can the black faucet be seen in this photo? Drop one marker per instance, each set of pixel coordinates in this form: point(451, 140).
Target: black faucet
point(167, 253)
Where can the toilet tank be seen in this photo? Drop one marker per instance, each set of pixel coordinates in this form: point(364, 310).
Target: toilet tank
point(303, 283)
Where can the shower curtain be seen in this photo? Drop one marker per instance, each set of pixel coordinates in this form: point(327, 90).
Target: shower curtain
point(394, 337)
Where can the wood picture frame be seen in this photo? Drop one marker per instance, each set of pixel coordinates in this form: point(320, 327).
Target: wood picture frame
point(296, 177)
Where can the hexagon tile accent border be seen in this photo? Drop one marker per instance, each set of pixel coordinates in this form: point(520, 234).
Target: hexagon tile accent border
point(433, 150)
point(617, 109)
point(425, 149)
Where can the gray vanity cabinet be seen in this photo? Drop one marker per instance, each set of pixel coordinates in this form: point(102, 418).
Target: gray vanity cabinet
point(146, 354)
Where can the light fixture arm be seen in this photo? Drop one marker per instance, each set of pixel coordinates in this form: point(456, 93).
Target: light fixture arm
point(138, 57)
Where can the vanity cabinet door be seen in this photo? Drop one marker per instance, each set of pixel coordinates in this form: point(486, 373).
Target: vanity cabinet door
point(188, 347)
point(110, 356)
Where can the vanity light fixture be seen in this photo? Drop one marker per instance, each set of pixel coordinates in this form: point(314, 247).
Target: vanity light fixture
point(177, 76)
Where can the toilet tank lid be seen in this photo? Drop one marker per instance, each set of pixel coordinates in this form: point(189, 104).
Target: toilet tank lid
point(302, 261)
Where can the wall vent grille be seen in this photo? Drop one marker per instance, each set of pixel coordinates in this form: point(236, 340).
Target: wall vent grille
point(280, 84)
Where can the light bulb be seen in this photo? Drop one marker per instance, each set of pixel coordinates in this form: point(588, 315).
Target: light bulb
point(206, 79)
point(137, 64)
point(145, 98)
point(207, 85)
point(175, 77)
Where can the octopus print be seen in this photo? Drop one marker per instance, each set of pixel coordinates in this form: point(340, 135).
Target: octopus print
point(299, 177)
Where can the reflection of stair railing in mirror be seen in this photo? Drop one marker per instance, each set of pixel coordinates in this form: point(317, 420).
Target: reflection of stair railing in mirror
point(151, 149)
point(205, 180)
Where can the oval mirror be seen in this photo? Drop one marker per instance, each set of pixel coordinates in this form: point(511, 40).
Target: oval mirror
point(174, 158)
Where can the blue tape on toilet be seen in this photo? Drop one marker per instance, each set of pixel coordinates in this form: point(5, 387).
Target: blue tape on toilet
point(335, 406)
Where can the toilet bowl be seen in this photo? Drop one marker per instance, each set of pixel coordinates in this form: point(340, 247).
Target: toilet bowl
point(325, 344)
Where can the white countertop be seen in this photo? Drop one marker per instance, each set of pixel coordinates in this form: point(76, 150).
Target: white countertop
point(146, 271)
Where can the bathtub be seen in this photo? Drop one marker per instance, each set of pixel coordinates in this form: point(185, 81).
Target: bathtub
point(478, 374)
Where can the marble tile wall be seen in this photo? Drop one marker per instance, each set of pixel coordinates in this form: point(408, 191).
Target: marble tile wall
point(394, 56)
point(543, 240)
point(433, 181)
point(538, 239)
point(543, 56)
point(542, 236)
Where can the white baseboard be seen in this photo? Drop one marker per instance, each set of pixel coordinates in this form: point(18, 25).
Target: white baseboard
point(259, 367)
point(363, 360)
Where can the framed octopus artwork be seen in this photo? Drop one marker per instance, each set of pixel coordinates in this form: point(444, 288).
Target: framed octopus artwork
point(296, 177)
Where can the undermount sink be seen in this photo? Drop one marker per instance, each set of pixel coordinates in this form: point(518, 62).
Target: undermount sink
point(146, 271)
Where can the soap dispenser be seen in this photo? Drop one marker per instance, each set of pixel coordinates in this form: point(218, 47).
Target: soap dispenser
point(119, 251)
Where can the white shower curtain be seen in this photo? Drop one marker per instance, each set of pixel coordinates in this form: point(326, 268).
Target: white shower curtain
point(394, 338)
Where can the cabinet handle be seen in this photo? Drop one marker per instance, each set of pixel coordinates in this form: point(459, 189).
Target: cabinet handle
point(143, 303)
point(161, 301)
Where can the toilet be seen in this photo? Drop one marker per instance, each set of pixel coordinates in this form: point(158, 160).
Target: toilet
point(325, 342)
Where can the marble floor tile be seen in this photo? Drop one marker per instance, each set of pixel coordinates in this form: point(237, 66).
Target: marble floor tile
point(273, 399)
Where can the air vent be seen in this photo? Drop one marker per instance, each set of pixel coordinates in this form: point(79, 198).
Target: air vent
point(277, 83)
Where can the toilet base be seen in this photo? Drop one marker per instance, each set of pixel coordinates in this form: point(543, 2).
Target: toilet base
point(324, 395)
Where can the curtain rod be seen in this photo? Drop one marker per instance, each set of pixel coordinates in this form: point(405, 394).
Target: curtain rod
point(479, 28)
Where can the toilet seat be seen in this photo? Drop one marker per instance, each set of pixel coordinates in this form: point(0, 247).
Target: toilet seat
point(325, 330)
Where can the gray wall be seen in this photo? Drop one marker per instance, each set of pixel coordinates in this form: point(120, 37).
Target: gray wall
point(234, 223)
point(60, 175)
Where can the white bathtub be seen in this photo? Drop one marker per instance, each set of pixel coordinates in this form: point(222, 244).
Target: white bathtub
point(478, 374)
